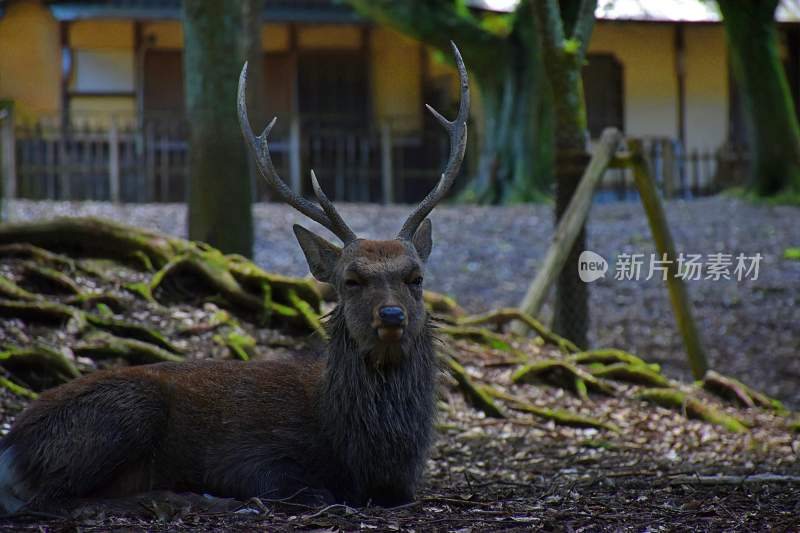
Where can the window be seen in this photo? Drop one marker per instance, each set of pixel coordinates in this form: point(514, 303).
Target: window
point(603, 92)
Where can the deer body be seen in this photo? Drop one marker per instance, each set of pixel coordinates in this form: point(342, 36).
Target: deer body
point(352, 424)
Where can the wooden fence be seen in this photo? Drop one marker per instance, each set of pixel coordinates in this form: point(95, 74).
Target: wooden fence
point(679, 174)
point(117, 160)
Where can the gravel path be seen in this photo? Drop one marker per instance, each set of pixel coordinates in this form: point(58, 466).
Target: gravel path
point(485, 257)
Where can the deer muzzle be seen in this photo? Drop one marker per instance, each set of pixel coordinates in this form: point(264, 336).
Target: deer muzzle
point(390, 323)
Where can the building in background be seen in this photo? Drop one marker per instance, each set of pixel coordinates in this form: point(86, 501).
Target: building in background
point(342, 86)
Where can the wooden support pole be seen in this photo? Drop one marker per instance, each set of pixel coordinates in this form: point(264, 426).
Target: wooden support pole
point(570, 225)
point(294, 155)
point(8, 162)
point(387, 178)
point(666, 247)
point(113, 161)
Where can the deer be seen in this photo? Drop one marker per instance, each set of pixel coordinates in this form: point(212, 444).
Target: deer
point(351, 424)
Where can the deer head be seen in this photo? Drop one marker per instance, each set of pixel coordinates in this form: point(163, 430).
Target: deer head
point(378, 282)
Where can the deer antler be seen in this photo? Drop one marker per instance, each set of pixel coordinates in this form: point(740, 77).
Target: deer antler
point(457, 130)
point(326, 215)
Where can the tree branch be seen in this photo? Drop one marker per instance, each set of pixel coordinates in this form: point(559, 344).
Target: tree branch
point(584, 25)
point(436, 24)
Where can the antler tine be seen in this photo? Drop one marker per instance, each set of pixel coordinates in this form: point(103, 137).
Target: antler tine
point(327, 215)
point(342, 229)
point(457, 131)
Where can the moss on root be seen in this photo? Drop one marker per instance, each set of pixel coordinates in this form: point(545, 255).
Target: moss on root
point(692, 407)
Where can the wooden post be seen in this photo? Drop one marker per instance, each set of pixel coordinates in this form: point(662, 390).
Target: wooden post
point(8, 161)
point(570, 225)
point(387, 178)
point(294, 155)
point(668, 168)
point(113, 161)
point(665, 246)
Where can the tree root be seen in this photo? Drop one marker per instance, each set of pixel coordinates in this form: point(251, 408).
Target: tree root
point(439, 304)
point(560, 417)
point(474, 395)
point(42, 311)
point(52, 279)
point(692, 408)
point(19, 390)
point(733, 390)
point(502, 317)
point(9, 289)
point(564, 375)
point(632, 373)
point(609, 356)
point(479, 335)
point(130, 330)
point(39, 358)
point(100, 346)
point(240, 344)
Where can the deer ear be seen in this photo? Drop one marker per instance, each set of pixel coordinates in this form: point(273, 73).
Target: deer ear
point(422, 240)
point(321, 255)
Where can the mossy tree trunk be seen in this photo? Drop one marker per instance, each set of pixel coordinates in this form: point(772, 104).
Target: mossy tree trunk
point(216, 44)
point(565, 28)
point(773, 131)
point(506, 68)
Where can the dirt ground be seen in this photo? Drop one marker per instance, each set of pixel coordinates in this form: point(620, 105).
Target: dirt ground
point(651, 469)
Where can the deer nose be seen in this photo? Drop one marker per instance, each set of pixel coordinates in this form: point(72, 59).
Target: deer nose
point(392, 315)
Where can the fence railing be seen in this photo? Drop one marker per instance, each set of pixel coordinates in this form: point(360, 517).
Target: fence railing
point(119, 161)
point(682, 174)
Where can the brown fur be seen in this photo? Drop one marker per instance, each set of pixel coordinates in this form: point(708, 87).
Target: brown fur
point(352, 424)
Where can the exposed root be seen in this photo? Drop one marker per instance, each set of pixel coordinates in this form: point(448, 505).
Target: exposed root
point(638, 374)
point(560, 417)
point(692, 408)
point(39, 358)
point(241, 345)
point(41, 311)
point(55, 281)
point(9, 289)
point(562, 374)
point(609, 356)
point(19, 390)
point(734, 390)
point(130, 330)
point(106, 346)
point(441, 304)
point(474, 395)
point(479, 335)
point(502, 317)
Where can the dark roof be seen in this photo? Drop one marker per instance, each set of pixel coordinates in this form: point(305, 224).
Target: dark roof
point(333, 11)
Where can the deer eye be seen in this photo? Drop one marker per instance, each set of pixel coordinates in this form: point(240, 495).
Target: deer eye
point(352, 283)
point(417, 281)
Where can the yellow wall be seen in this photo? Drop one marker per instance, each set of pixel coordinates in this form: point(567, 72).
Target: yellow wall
point(98, 111)
point(30, 59)
point(646, 53)
point(99, 34)
point(329, 36)
point(275, 37)
point(396, 79)
point(163, 34)
point(706, 87)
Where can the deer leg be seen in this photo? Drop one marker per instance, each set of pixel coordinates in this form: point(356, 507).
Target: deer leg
point(79, 439)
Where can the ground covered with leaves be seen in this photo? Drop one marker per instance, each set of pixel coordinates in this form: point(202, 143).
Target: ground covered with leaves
point(533, 434)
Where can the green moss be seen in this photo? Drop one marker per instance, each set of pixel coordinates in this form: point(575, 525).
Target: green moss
point(561, 374)
point(633, 373)
point(122, 328)
point(140, 289)
point(476, 396)
point(692, 408)
point(19, 390)
point(241, 345)
point(792, 253)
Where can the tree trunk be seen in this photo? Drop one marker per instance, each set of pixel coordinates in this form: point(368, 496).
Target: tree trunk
point(515, 120)
point(220, 188)
point(773, 131)
point(507, 70)
point(563, 59)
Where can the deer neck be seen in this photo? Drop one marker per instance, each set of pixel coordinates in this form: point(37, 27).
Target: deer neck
point(378, 421)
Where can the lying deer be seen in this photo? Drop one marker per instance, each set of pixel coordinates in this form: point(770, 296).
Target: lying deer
point(352, 424)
